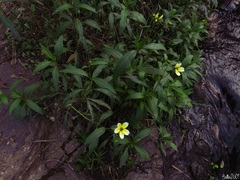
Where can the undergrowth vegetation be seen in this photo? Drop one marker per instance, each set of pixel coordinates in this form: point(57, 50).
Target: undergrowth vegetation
point(104, 62)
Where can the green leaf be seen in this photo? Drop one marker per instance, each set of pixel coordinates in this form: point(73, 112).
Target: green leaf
point(176, 83)
point(115, 53)
point(163, 149)
point(71, 95)
point(55, 77)
point(104, 84)
point(137, 95)
point(116, 3)
point(34, 107)
point(163, 107)
point(170, 114)
point(124, 158)
point(3, 98)
point(98, 70)
point(123, 21)
point(47, 52)
point(62, 27)
point(136, 80)
point(100, 102)
point(162, 130)
point(153, 107)
point(129, 3)
point(14, 85)
point(98, 62)
point(87, 7)
point(170, 143)
point(20, 112)
point(106, 92)
point(63, 7)
point(111, 20)
point(59, 47)
point(142, 152)
point(123, 64)
point(79, 27)
point(122, 141)
point(93, 24)
point(166, 136)
point(90, 110)
point(73, 70)
point(92, 146)
point(155, 46)
point(14, 104)
point(142, 134)
point(105, 115)
point(31, 88)
point(8, 24)
point(176, 41)
point(187, 60)
point(136, 16)
point(43, 65)
point(96, 134)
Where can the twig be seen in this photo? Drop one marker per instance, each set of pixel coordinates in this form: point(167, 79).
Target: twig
point(181, 171)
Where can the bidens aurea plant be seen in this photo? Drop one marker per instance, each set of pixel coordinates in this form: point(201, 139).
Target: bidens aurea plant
point(105, 56)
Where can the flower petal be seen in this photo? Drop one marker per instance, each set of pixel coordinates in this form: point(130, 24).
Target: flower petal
point(181, 69)
point(121, 135)
point(125, 132)
point(116, 130)
point(177, 72)
point(178, 65)
point(125, 125)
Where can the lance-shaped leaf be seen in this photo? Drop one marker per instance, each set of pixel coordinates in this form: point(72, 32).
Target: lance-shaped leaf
point(102, 83)
point(58, 47)
point(123, 21)
point(73, 70)
point(63, 8)
point(123, 64)
point(34, 106)
point(92, 139)
point(8, 24)
point(87, 7)
point(155, 46)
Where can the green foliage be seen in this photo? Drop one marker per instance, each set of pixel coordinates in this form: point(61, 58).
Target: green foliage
point(9, 24)
point(22, 102)
point(126, 146)
point(102, 57)
point(165, 139)
point(214, 165)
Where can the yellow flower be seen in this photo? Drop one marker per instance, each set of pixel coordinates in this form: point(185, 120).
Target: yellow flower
point(179, 69)
point(157, 17)
point(122, 130)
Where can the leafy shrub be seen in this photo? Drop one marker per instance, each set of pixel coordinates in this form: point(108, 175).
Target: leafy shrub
point(112, 61)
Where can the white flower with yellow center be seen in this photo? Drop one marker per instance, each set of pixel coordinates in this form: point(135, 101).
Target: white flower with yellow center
point(122, 130)
point(178, 69)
